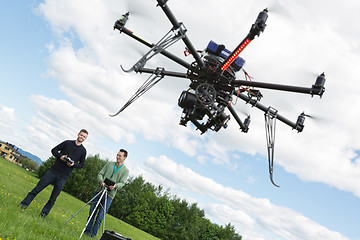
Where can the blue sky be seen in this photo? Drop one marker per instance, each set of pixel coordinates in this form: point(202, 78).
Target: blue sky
point(60, 72)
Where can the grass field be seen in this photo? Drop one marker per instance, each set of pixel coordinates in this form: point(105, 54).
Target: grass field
point(18, 224)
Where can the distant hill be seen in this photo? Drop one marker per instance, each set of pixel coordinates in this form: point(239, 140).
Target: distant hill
point(30, 156)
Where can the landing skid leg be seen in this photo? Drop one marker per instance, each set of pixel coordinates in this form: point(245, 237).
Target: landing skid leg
point(270, 124)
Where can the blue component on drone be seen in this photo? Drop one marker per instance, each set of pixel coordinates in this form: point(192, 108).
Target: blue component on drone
point(220, 50)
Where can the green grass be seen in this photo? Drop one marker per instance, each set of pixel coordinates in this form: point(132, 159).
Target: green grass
point(18, 224)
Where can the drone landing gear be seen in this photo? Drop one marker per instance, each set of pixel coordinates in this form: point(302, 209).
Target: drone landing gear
point(270, 124)
point(169, 39)
point(154, 78)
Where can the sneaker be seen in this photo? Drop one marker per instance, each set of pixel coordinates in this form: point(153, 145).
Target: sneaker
point(23, 206)
point(43, 215)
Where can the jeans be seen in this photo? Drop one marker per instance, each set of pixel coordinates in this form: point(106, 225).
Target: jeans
point(50, 177)
point(93, 226)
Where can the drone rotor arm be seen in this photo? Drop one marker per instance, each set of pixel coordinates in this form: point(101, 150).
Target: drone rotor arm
point(151, 45)
point(262, 107)
point(242, 125)
point(163, 72)
point(170, 38)
point(316, 89)
point(231, 58)
point(178, 25)
point(256, 28)
point(272, 86)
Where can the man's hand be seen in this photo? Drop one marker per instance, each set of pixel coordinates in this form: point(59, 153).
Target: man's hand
point(62, 158)
point(110, 187)
point(70, 164)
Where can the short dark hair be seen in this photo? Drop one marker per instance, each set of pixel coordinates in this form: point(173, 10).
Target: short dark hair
point(84, 131)
point(124, 151)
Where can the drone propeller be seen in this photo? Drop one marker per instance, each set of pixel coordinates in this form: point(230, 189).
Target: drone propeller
point(307, 115)
point(244, 112)
point(136, 9)
point(276, 8)
point(313, 117)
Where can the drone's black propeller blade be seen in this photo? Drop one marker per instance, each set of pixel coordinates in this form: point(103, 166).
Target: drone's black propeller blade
point(279, 9)
point(313, 117)
point(136, 9)
point(244, 112)
point(309, 116)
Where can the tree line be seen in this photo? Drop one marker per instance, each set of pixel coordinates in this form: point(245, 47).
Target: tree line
point(29, 164)
point(146, 206)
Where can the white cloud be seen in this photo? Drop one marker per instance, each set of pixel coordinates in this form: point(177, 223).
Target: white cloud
point(243, 211)
point(7, 117)
point(241, 220)
point(9, 125)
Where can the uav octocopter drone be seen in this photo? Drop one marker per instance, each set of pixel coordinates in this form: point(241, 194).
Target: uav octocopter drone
point(213, 81)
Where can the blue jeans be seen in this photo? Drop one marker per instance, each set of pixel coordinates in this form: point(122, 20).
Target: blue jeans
point(50, 177)
point(93, 226)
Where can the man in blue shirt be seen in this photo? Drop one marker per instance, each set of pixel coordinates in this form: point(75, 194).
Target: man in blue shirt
point(69, 154)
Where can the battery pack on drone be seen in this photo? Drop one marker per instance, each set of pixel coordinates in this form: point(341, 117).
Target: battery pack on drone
point(220, 50)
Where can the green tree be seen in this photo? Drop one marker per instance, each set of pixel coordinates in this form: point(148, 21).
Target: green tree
point(46, 166)
point(208, 230)
point(83, 182)
point(129, 196)
point(29, 164)
point(228, 232)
